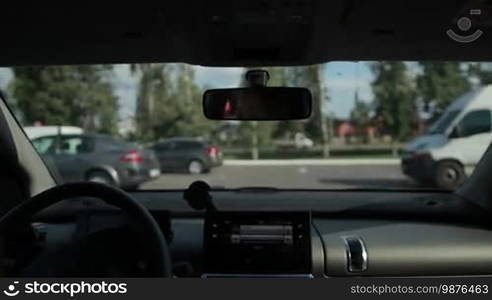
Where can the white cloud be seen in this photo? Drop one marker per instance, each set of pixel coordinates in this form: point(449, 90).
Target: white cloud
point(218, 77)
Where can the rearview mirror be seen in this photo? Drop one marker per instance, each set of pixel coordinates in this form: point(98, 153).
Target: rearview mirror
point(258, 103)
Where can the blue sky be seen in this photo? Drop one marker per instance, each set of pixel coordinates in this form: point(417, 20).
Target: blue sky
point(341, 79)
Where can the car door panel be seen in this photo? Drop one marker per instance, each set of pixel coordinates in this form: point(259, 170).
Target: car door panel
point(164, 153)
point(72, 160)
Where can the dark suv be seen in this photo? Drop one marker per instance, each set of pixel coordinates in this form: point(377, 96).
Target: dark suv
point(187, 154)
point(99, 158)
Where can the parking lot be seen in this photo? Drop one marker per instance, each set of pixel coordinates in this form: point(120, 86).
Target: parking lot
point(336, 175)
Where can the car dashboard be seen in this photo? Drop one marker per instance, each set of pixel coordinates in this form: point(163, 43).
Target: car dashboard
point(295, 242)
point(366, 248)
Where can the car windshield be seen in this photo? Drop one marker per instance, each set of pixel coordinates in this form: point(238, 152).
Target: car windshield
point(141, 126)
point(444, 122)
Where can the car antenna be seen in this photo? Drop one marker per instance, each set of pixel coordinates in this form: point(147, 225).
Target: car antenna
point(198, 197)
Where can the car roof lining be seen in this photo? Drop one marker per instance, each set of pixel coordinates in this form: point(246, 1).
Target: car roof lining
point(241, 33)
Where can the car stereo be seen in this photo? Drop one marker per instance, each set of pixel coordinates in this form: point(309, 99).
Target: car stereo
point(257, 243)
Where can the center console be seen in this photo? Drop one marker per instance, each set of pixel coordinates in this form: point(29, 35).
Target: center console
point(257, 244)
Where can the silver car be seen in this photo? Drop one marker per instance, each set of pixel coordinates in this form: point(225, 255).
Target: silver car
point(99, 158)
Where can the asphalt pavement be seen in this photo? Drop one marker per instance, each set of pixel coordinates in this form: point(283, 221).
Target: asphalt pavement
point(295, 175)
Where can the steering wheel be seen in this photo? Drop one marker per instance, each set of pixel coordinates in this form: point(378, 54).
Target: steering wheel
point(155, 241)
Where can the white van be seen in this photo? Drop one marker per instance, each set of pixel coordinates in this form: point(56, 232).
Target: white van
point(33, 132)
point(452, 147)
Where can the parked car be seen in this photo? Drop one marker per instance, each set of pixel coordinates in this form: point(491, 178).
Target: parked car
point(98, 158)
point(299, 142)
point(448, 153)
point(187, 154)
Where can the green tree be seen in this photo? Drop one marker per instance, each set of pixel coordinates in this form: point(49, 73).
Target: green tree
point(66, 95)
point(395, 99)
point(311, 77)
point(98, 105)
point(279, 76)
point(187, 103)
point(168, 102)
point(154, 91)
point(440, 84)
point(483, 71)
point(360, 116)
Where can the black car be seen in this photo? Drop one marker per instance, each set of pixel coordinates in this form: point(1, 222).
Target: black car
point(186, 154)
point(98, 158)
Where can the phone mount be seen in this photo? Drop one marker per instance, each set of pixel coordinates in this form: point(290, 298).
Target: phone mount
point(198, 197)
